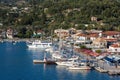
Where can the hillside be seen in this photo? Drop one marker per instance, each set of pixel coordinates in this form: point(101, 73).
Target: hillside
point(53, 14)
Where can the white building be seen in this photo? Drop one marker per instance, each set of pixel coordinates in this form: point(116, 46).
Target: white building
point(114, 48)
point(9, 34)
point(99, 43)
point(82, 38)
point(61, 32)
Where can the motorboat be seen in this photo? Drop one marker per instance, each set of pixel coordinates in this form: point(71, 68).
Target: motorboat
point(69, 62)
point(81, 66)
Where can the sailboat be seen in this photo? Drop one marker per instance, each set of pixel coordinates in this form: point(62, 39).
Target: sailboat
point(59, 54)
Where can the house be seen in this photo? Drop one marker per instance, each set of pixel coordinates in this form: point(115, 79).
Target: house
point(114, 48)
point(93, 18)
point(62, 32)
point(99, 43)
point(38, 33)
point(9, 33)
point(82, 38)
point(111, 41)
point(111, 34)
point(93, 36)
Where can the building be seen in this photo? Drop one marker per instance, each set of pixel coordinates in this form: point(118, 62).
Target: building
point(82, 38)
point(9, 33)
point(114, 48)
point(62, 32)
point(99, 43)
point(38, 33)
point(111, 34)
point(93, 18)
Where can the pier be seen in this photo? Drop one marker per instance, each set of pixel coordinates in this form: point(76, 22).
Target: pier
point(102, 66)
point(49, 62)
point(101, 70)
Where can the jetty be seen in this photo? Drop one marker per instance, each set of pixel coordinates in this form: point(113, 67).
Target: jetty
point(49, 62)
point(101, 70)
point(104, 67)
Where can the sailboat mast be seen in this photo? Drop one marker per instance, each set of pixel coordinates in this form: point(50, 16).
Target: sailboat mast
point(60, 41)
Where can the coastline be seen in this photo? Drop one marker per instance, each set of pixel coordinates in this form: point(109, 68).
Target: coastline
point(15, 40)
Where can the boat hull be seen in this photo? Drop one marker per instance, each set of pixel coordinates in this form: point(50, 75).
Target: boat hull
point(80, 68)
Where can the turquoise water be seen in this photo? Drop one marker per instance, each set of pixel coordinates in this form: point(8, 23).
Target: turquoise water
point(16, 63)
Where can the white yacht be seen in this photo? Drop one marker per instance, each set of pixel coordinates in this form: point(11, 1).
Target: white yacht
point(39, 44)
point(81, 66)
point(69, 62)
point(58, 55)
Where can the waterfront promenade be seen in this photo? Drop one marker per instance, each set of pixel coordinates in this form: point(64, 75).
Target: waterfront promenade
point(100, 65)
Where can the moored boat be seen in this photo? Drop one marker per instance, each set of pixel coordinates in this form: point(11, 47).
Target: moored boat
point(69, 62)
point(81, 66)
point(39, 44)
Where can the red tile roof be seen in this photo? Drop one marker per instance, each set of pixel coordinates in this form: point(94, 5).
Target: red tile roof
point(111, 39)
point(111, 33)
point(93, 35)
point(115, 45)
point(81, 34)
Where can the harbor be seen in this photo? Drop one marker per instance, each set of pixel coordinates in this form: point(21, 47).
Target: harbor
point(19, 61)
point(60, 39)
point(101, 66)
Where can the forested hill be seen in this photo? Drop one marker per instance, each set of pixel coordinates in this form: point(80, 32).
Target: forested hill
point(47, 14)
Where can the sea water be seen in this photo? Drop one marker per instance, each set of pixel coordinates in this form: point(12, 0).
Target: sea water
point(16, 63)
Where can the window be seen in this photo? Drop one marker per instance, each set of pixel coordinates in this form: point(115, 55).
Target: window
point(115, 49)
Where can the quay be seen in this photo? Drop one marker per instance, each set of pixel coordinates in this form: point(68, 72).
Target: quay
point(101, 70)
point(101, 65)
point(114, 72)
point(38, 61)
point(49, 62)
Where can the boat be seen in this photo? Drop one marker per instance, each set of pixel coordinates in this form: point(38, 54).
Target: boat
point(49, 49)
point(69, 62)
point(81, 66)
point(59, 55)
point(101, 69)
point(39, 44)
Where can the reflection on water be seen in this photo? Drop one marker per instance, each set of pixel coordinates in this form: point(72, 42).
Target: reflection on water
point(82, 72)
point(37, 53)
point(60, 67)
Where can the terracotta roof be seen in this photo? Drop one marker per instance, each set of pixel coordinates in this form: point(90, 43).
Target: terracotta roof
point(81, 34)
point(93, 35)
point(111, 39)
point(115, 45)
point(111, 32)
point(100, 40)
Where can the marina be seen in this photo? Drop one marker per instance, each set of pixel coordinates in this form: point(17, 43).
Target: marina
point(21, 61)
point(59, 40)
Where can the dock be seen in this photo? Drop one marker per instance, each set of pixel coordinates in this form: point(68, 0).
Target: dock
point(101, 70)
point(114, 72)
point(49, 62)
point(38, 61)
point(104, 67)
